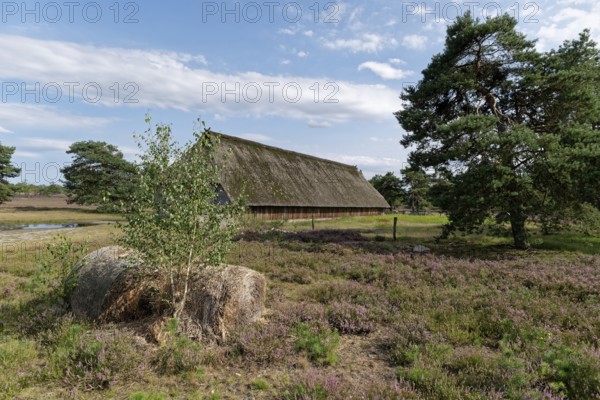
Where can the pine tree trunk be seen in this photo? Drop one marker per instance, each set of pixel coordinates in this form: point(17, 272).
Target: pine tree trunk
point(517, 223)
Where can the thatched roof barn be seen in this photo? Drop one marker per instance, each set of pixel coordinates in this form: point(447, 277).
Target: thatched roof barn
point(280, 183)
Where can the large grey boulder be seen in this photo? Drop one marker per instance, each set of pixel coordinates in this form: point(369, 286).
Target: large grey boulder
point(112, 285)
point(421, 249)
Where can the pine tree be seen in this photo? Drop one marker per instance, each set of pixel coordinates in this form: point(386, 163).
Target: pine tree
point(99, 175)
point(510, 130)
point(7, 170)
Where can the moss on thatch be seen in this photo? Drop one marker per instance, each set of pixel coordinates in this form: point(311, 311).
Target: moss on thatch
point(270, 176)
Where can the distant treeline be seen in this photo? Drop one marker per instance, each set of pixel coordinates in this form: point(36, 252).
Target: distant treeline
point(29, 189)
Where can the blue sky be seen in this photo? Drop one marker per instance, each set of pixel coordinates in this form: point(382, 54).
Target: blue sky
point(321, 78)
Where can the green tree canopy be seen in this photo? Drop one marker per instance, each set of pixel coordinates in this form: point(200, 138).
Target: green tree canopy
point(416, 184)
point(7, 170)
point(512, 132)
point(389, 186)
point(28, 189)
point(99, 175)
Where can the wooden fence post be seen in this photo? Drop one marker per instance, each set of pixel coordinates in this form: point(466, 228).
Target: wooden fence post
point(313, 222)
point(395, 223)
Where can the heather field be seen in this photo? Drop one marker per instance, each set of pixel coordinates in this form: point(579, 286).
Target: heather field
point(352, 314)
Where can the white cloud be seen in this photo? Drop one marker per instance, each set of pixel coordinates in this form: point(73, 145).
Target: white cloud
point(565, 24)
point(129, 152)
point(367, 42)
point(396, 61)
point(287, 31)
point(575, 2)
point(365, 161)
point(257, 137)
point(383, 70)
point(355, 20)
point(379, 140)
point(285, 62)
point(166, 81)
point(302, 54)
point(4, 130)
point(340, 11)
point(190, 58)
point(44, 144)
point(26, 154)
point(308, 33)
point(417, 42)
point(318, 124)
point(50, 118)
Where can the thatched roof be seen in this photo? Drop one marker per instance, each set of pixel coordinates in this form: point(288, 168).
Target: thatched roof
point(270, 176)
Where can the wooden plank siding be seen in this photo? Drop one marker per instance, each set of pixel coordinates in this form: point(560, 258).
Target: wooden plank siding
point(288, 212)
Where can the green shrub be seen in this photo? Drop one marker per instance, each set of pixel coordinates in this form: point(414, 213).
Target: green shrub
point(264, 344)
point(484, 371)
point(179, 354)
point(378, 389)
point(319, 385)
point(18, 362)
point(146, 396)
point(166, 229)
point(588, 220)
point(410, 336)
point(259, 384)
point(318, 344)
point(302, 392)
point(56, 265)
point(40, 318)
point(91, 360)
point(350, 318)
point(570, 373)
point(406, 356)
point(349, 291)
point(431, 381)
